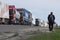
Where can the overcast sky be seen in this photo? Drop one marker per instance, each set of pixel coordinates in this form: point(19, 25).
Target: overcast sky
point(39, 8)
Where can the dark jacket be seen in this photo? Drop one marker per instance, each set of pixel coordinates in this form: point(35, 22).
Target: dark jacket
point(49, 17)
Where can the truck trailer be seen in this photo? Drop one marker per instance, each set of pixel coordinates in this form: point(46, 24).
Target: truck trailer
point(4, 13)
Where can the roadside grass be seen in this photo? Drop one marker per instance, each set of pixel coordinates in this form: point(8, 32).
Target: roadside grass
point(47, 36)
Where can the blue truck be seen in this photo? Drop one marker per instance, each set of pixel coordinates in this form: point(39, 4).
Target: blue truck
point(25, 16)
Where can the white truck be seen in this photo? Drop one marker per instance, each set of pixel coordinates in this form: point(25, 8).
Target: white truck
point(4, 12)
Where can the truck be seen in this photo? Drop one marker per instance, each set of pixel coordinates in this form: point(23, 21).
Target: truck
point(7, 13)
point(11, 14)
point(39, 22)
point(25, 16)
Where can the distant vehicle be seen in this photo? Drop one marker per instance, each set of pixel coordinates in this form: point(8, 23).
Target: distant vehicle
point(25, 16)
point(11, 14)
point(39, 22)
point(36, 22)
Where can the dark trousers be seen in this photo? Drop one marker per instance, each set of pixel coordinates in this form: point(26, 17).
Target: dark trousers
point(50, 26)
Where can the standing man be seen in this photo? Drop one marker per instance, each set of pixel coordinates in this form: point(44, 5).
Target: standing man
point(51, 19)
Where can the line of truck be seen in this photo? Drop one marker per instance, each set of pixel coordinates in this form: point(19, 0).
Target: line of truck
point(12, 15)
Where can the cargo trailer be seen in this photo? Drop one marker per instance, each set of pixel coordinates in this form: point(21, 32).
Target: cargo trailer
point(4, 13)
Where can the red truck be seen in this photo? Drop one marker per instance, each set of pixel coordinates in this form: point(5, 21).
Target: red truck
point(11, 13)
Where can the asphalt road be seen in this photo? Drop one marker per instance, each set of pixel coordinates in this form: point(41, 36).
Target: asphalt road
point(7, 28)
